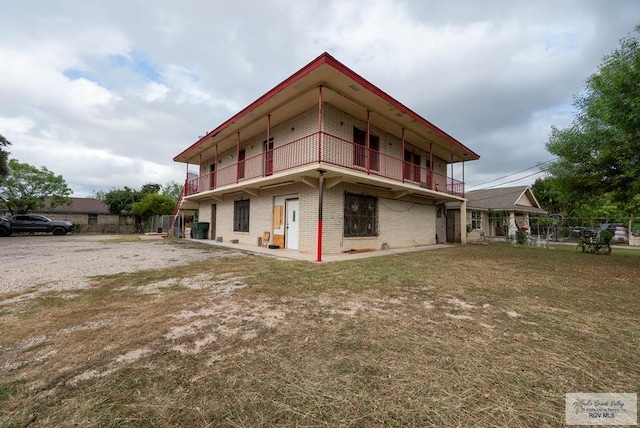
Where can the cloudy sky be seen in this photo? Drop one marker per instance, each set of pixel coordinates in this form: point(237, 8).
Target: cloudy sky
point(106, 93)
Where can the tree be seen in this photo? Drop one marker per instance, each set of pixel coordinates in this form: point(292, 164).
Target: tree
point(599, 154)
point(120, 201)
point(550, 197)
point(153, 204)
point(172, 189)
point(4, 157)
point(27, 188)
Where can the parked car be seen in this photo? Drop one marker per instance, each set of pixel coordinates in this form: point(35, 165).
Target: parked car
point(31, 223)
point(583, 232)
point(5, 227)
point(620, 234)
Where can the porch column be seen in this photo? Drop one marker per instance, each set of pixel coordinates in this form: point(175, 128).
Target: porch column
point(463, 192)
point(463, 222)
point(267, 152)
point(402, 156)
point(526, 222)
point(368, 150)
point(512, 225)
point(320, 124)
point(320, 198)
point(431, 186)
point(451, 178)
point(215, 171)
point(237, 154)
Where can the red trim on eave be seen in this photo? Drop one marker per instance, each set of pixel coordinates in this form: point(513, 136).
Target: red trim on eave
point(388, 98)
point(328, 59)
point(287, 82)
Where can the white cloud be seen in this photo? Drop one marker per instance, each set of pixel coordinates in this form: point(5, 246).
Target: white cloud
point(106, 93)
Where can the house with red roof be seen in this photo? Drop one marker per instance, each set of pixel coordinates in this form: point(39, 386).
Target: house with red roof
point(325, 162)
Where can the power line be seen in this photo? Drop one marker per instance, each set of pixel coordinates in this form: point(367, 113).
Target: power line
point(514, 173)
point(516, 179)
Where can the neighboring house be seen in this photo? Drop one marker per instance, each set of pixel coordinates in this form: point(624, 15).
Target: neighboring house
point(90, 215)
point(497, 212)
point(325, 162)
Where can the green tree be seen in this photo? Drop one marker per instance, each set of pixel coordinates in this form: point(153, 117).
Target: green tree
point(550, 197)
point(27, 188)
point(599, 154)
point(120, 201)
point(172, 189)
point(4, 157)
point(153, 204)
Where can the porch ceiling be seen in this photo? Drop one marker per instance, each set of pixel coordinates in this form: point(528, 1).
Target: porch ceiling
point(342, 88)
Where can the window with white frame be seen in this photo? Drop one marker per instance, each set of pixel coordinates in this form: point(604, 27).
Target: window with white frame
point(476, 220)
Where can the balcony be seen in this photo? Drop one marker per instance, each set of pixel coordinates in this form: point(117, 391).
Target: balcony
point(333, 151)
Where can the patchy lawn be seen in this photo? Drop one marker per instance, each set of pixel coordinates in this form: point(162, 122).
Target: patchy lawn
point(466, 336)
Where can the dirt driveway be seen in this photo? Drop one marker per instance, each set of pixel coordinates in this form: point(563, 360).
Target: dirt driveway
point(45, 263)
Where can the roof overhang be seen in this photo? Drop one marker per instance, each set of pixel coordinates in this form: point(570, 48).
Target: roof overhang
point(342, 88)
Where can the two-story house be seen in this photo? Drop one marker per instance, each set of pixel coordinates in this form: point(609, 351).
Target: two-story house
point(325, 162)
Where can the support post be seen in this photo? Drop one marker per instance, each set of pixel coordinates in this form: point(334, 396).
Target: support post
point(463, 222)
point(320, 124)
point(320, 197)
point(402, 157)
point(431, 186)
point(237, 156)
point(368, 151)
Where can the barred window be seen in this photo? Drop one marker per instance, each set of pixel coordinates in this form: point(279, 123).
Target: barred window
point(360, 215)
point(241, 216)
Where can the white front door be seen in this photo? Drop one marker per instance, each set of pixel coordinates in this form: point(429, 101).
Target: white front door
point(291, 227)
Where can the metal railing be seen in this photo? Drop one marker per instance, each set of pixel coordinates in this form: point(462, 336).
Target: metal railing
point(334, 150)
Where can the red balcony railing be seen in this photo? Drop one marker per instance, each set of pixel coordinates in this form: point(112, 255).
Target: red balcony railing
point(333, 151)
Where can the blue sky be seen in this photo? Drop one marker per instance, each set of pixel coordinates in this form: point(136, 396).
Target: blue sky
point(107, 93)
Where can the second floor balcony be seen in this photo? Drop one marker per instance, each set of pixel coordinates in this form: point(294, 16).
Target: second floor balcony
point(322, 149)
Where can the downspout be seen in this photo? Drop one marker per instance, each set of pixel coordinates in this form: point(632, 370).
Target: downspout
point(320, 197)
point(320, 124)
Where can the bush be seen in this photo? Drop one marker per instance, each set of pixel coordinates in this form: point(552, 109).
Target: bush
point(606, 237)
point(521, 236)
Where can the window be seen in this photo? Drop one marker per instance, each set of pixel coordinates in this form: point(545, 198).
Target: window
point(476, 220)
point(122, 219)
point(360, 215)
point(241, 216)
point(93, 218)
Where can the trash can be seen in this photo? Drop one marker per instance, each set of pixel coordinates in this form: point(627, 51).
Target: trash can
point(200, 230)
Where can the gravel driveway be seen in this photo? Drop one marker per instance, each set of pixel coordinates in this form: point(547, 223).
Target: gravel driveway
point(43, 262)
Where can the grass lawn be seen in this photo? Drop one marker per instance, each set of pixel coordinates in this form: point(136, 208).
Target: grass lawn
point(486, 336)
